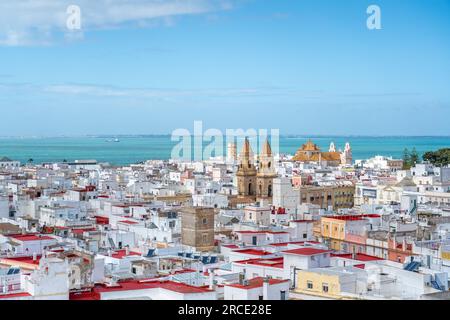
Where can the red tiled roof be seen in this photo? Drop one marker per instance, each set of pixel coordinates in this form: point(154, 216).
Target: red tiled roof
point(129, 285)
point(101, 220)
point(120, 254)
point(253, 252)
point(90, 295)
point(30, 237)
point(354, 217)
point(128, 222)
point(285, 244)
point(256, 283)
point(183, 288)
point(184, 271)
point(358, 256)
point(261, 232)
point(230, 246)
point(82, 230)
point(306, 251)
point(27, 260)
point(273, 263)
point(251, 232)
point(14, 295)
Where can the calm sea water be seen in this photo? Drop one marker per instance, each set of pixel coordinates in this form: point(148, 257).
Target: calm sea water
point(136, 149)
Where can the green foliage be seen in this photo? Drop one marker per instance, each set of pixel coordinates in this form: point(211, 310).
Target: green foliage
point(438, 158)
point(406, 159)
point(414, 156)
point(410, 158)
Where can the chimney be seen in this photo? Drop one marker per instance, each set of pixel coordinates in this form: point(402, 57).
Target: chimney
point(127, 251)
point(266, 288)
point(212, 278)
point(241, 278)
point(34, 256)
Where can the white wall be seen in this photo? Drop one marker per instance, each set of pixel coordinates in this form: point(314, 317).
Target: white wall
point(4, 207)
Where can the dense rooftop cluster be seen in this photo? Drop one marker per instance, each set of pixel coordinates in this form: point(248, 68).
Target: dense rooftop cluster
point(250, 226)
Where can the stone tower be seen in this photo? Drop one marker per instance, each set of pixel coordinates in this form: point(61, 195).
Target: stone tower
point(246, 174)
point(231, 153)
point(266, 172)
point(197, 228)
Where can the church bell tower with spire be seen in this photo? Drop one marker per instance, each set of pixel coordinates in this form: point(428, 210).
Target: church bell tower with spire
point(266, 172)
point(246, 174)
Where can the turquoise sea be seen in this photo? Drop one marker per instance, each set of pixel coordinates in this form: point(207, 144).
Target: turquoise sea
point(133, 149)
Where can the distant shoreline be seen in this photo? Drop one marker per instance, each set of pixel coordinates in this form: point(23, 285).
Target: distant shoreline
point(305, 136)
point(129, 149)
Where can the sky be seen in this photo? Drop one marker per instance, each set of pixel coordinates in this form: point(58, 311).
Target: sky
point(152, 66)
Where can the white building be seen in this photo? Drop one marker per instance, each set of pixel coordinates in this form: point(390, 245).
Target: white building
point(6, 162)
point(258, 289)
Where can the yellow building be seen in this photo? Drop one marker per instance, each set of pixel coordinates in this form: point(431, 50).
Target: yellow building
point(333, 229)
point(341, 230)
point(330, 283)
point(318, 284)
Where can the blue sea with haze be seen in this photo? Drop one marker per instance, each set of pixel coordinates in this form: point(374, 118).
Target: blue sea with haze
point(134, 149)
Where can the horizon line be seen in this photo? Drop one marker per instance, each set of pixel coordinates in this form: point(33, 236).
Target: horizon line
point(293, 135)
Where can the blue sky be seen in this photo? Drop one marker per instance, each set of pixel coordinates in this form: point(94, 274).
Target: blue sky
point(302, 66)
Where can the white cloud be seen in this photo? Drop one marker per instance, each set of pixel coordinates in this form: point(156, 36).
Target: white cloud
point(106, 91)
point(34, 22)
point(109, 91)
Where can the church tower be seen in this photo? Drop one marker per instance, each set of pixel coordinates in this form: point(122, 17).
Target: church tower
point(231, 153)
point(266, 172)
point(346, 156)
point(332, 147)
point(246, 174)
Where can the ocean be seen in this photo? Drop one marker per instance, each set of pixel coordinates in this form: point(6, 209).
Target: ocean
point(134, 149)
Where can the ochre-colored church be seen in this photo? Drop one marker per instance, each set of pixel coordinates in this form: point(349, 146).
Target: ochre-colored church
point(310, 152)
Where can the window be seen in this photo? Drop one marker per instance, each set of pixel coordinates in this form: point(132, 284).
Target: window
point(325, 287)
point(309, 285)
point(282, 295)
point(205, 221)
point(305, 236)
